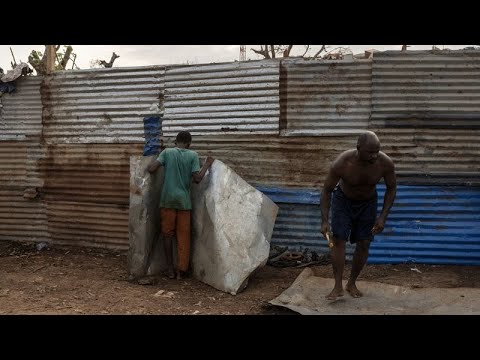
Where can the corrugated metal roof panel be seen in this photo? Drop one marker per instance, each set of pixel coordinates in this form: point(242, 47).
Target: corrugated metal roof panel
point(101, 105)
point(430, 88)
point(325, 97)
point(427, 224)
point(21, 114)
point(239, 98)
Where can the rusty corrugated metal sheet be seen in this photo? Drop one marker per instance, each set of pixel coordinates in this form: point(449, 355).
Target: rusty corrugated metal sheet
point(86, 186)
point(325, 97)
point(88, 224)
point(436, 89)
point(21, 219)
point(91, 173)
point(21, 114)
point(101, 105)
point(83, 193)
point(420, 156)
point(273, 160)
point(441, 156)
point(239, 98)
point(22, 212)
point(13, 163)
point(19, 163)
point(86, 191)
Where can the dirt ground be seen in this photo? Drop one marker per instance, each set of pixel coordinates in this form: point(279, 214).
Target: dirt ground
point(90, 281)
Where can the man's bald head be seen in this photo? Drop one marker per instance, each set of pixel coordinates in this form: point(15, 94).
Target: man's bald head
point(368, 147)
point(368, 138)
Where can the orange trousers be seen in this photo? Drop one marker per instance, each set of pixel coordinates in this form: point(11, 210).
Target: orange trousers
point(176, 223)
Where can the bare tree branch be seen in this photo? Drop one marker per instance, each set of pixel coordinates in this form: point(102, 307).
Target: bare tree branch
point(262, 52)
point(272, 49)
point(110, 63)
point(267, 52)
point(319, 51)
point(286, 52)
point(308, 47)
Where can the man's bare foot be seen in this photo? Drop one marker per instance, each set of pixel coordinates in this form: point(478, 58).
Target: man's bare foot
point(334, 294)
point(353, 291)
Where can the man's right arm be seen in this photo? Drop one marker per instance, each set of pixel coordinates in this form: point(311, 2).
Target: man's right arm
point(156, 163)
point(153, 166)
point(331, 181)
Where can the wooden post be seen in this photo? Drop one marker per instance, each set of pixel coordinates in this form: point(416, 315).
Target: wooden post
point(50, 58)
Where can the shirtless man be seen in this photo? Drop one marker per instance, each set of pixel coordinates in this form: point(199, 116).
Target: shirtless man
point(352, 179)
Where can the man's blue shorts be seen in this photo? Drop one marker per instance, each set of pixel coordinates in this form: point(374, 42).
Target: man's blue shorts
point(353, 219)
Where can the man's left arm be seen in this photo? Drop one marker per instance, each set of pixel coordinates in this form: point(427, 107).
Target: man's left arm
point(391, 183)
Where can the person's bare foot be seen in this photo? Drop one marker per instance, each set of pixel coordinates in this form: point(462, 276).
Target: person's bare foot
point(334, 294)
point(353, 291)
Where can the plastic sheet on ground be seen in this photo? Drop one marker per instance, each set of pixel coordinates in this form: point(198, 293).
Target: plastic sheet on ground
point(307, 296)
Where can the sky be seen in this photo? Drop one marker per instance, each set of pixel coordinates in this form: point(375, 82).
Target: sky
point(142, 55)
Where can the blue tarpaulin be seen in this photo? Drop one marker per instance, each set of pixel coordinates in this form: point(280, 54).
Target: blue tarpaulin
point(152, 127)
point(427, 224)
point(7, 87)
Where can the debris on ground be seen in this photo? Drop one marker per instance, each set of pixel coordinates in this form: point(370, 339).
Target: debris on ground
point(164, 294)
point(78, 278)
point(146, 280)
point(42, 246)
point(282, 257)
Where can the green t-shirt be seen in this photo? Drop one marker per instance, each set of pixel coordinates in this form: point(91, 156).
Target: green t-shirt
point(179, 165)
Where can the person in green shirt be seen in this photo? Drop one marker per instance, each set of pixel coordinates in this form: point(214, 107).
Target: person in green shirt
point(180, 165)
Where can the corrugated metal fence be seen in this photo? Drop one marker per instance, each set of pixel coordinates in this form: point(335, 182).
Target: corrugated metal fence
point(22, 214)
point(65, 153)
point(93, 123)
